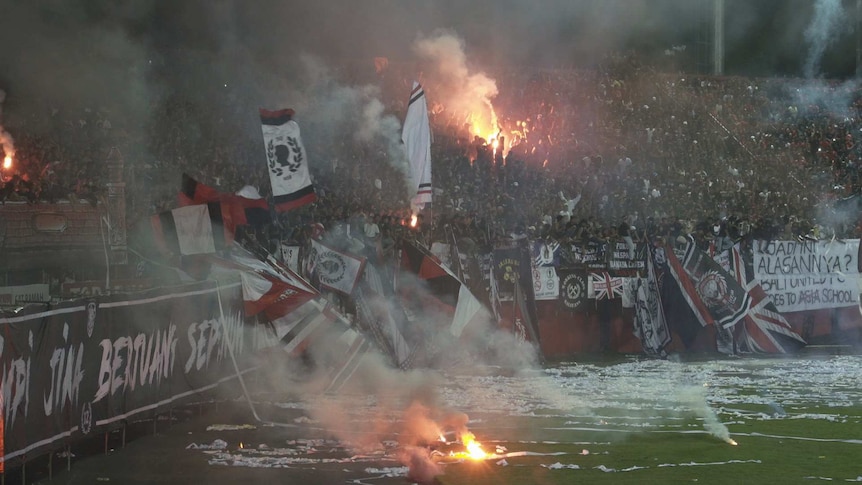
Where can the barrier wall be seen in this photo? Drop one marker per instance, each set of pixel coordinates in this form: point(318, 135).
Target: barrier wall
point(86, 366)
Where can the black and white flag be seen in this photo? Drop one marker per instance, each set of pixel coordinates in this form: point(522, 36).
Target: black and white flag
point(416, 136)
point(286, 160)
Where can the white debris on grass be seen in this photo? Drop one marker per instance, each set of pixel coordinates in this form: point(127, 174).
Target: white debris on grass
point(230, 427)
point(398, 471)
point(560, 466)
point(215, 445)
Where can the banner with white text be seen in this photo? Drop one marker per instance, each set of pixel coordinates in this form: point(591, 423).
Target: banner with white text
point(86, 366)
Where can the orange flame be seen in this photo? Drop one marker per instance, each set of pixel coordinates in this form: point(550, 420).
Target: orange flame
point(486, 127)
point(413, 220)
point(474, 448)
point(7, 162)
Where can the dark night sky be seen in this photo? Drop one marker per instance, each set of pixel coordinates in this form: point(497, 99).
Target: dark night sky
point(136, 50)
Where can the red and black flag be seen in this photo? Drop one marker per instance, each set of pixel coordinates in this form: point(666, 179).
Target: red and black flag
point(236, 209)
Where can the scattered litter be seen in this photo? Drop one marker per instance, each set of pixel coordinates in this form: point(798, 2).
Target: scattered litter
point(400, 471)
point(560, 466)
point(503, 462)
point(215, 445)
point(229, 427)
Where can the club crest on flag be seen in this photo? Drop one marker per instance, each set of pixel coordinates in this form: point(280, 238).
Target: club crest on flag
point(284, 156)
point(334, 269)
point(286, 159)
point(330, 266)
point(574, 290)
point(713, 289)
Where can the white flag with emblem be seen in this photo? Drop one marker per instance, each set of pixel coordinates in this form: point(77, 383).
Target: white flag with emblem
point(335, 269)
point(286, 160)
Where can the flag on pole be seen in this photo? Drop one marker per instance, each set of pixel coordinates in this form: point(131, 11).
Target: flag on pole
point(416, 136)
point(650, 325)
point(190, 230)
point(441, 292)
point(335, 269)
point(236, 210)
point(286, 160)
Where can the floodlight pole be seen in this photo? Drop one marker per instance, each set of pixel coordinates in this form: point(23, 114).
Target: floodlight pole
point(718, 38)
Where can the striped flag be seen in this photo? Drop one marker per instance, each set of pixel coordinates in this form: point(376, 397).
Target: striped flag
point(440, 292)
point(299, 317)
point(286, 160)
point(236, 210)
point(190, 230)
point(416, 136)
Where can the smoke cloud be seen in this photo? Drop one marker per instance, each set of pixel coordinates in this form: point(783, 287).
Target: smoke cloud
point(824, 27)
point(465, 94)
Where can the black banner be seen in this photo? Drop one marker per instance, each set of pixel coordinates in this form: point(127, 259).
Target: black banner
point(86, 366)
point(573, 289)
point(608, 256)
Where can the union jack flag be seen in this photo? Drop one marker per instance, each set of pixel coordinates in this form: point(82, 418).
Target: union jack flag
point(763, 329)
point(604, 286)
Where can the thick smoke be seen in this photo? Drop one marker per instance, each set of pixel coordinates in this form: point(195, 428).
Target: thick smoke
point(331, 110)
point(465, 94)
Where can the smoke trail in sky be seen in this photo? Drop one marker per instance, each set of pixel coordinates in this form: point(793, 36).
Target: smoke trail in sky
point(824, 28)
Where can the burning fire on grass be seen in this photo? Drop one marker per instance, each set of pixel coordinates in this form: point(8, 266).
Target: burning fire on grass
point(429, 441)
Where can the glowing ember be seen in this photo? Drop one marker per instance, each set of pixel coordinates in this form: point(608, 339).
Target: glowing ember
point(474, 448)
point(7, 162)
point(240, 445)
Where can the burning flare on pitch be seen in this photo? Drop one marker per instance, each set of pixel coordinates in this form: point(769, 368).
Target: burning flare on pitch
point(730, 441)
point(473, 449)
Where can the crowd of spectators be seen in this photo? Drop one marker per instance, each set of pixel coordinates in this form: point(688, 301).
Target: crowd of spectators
point(619, 150)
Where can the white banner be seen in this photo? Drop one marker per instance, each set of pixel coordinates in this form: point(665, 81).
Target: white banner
point(290, 256)
point(808, 275)
point(546, 283)
point(11, 295)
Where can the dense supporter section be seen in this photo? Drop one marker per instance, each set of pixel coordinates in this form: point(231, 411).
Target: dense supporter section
point(625, 142)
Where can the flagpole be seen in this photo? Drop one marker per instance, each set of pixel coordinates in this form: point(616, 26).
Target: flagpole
point(232, 355)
